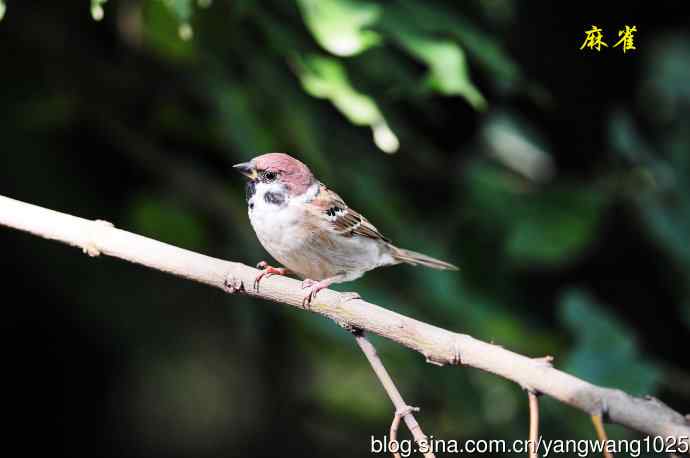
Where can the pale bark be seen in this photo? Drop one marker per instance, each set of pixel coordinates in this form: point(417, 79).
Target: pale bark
point(439, 346)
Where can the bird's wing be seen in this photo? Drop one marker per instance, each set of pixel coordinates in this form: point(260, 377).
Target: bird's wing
point(340, 218)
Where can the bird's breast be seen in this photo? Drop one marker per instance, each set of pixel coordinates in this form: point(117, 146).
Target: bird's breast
point(276, 222)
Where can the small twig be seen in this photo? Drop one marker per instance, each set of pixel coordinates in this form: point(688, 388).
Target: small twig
point(533, 423)
point(393, 436)
point(401, 408)
point(393, 433)
point(601, 433)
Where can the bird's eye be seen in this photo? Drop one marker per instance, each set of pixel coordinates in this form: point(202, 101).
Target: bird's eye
point(270, 176)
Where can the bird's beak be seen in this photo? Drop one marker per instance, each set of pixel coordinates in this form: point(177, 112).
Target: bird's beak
point(246, 169)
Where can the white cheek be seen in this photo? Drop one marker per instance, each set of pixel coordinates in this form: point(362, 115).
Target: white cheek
point(258, 205)
point(272, 187)
point(269, 219)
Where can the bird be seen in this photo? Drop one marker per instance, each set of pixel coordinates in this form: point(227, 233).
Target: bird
point(311, 231)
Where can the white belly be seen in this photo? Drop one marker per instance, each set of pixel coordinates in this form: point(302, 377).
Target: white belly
point(278, 230)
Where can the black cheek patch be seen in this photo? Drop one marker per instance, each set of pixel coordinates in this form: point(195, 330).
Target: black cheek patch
point(274, 198)
point(250, 190)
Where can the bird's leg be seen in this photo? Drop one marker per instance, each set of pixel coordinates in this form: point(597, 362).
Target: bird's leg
point(267, 271)
point(314, 287)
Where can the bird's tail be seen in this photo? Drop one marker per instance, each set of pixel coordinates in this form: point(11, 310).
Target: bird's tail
point(414, 258)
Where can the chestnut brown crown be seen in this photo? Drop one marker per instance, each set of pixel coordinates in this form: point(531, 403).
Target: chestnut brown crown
point(280, 167)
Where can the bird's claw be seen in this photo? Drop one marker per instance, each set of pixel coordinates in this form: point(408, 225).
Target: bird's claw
point(306, 301)
point(267, 271)
point(314, 288)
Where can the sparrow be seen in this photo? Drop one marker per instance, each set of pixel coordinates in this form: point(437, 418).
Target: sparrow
point(311, 231)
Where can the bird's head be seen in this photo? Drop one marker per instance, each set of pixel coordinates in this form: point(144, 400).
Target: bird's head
point(278, 168)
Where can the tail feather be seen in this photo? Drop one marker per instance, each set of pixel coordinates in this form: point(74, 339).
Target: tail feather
point(414, 258)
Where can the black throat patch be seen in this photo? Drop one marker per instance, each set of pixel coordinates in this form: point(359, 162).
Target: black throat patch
point(249, 190)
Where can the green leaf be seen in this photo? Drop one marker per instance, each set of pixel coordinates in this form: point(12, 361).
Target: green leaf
point(519, 146)
point(3, 9)
point(326, 78)
point(605, 351)
point(340, 26)
point(448, 72)
point(97, 12)
point(483, 47)
point(182, 9)
point(162, 30)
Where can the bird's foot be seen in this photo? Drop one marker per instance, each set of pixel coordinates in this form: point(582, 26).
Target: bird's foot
point(314, 287)
point(267, 271)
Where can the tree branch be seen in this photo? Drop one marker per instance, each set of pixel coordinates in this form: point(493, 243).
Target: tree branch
point(601, 433)
point(533, 423)
point(439, 346)
point(401, 408)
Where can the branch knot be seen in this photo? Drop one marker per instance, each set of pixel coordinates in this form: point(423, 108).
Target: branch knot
point(90, 245)
point(232, 284)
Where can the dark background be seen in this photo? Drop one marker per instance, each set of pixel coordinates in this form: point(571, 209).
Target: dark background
point(558, 179)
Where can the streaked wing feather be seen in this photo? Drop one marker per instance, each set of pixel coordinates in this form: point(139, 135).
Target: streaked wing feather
point(342, 218)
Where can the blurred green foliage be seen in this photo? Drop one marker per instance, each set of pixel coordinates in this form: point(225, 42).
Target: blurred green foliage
point(620, 365)
point(559, 181)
